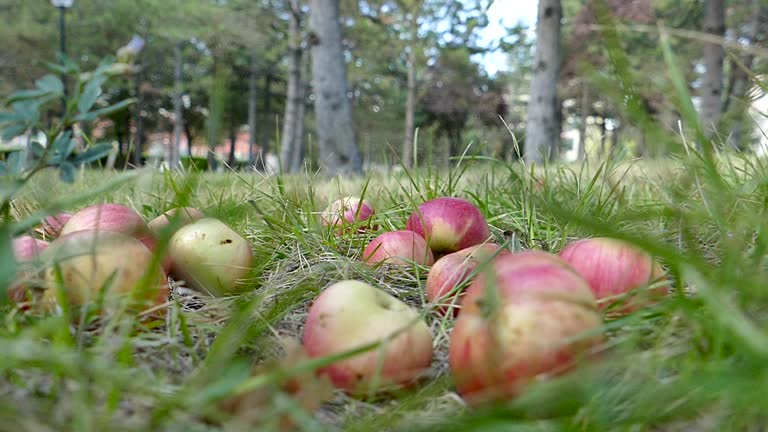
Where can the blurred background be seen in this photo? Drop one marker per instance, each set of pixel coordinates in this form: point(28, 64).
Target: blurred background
point(220, 84)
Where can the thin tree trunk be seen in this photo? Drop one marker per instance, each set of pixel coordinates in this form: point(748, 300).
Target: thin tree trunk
point(139, 140)
point(265, 135)
point(585, 109)
point(615, 138)
point(178, 110)
point(712, 85)
point(188, 134)
point(603, 141)
point(232, 145)
point(288, 141)
point(410, 98)
point(335, 127)
point(541, 128)
point(300, 139)
point(252, 99)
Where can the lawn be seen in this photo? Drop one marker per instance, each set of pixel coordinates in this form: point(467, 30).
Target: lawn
point(695, 361)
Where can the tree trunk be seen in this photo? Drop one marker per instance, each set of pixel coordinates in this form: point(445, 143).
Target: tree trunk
point(335, 130)
point(585, 105)
point(232, 145)
point(252, 99)
point(603, 141)
point(293, 98)
point(178, 110)
point(615, 138)
point(188, 134)
point(139, 140)
point(541, 128)
point(712, 85)
point(267, 122)
point(299, 138)
point(410, 98)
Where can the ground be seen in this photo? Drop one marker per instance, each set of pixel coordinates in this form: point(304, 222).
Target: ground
point(693, 362)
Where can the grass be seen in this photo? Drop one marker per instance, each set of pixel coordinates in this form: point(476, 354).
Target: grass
point(695, 361)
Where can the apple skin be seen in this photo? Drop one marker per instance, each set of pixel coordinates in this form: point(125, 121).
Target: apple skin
point(400, 247)
point(26, 250)
point(449, 224)
point(534, 332)
point(612, 268)
point(346, 211)
point(453, 270)
point(89, 258)
point(210, 256)
point(182, 216)
point(114, 218)
point(53, 224)
point(350, 314)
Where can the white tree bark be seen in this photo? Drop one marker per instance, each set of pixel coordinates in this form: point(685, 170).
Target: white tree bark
point(712, 85)
point(541, 130)
point(252, 100)
point(335, 130)
point(178, 110)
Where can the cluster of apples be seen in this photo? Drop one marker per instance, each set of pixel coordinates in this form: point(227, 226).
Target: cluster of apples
point(108, 252)
point(519, 316)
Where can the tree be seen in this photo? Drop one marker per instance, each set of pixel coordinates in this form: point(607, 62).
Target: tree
point(291, 139)
point(712, 86)
point(542, 127)
point(335, 133)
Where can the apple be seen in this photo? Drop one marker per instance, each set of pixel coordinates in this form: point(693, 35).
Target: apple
point(26, 250)
point(93, 260)
point(401, 247)
point(180, 215)
point(455, 270)
point(114, 218)
point(347, 210)
point(210, 256)
point(449, 224)
point(529, 317)
point(616, 269)
point(53, 224)
point(351, 314)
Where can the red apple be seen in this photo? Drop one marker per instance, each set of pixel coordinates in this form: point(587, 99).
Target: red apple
point(180, 215)
point(616, 269)
point(449, 224)
point(453, 271)
point(523, 320)
point(53, 224)
point(210, 256)
point(351, 314)
point(114, 218)
point(95, 260)
point(347, 210)
point(26, 250)
point(398, 247)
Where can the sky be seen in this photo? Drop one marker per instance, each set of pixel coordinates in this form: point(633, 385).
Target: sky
point(509, 13)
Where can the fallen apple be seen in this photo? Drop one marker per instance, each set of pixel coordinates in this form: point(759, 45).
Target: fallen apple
point(26, 250)
point(347, 211)
point(400, 248)
point(53, 224)
point(180, 215)
point(449, 224)
point(351, 314)
point(455, 270)
point(86, 265)
point(531, 317)
point(114, 218)
point(210, 256)
point(617, 272)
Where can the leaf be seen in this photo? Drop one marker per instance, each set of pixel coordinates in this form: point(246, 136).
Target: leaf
point(8, 116)
point(37, 149)
point(93, 153)
point(9, 188)
point(67, 172)
point(26, 94)
point(27, 110)
point(13, 131)
point(93, 115)
point(17, 162)
point(61, 142)
point(51, 84)
point(3, 168)
point(7, 262)
point(90, 94)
